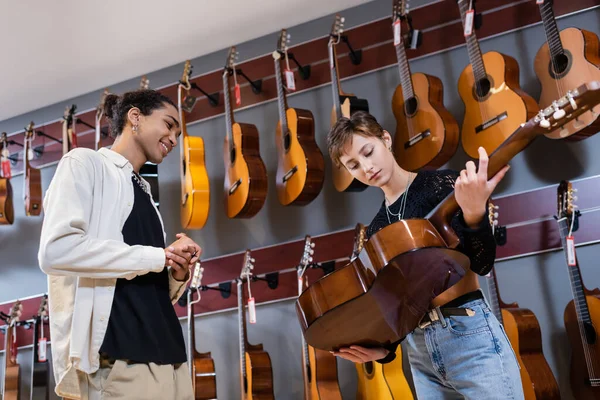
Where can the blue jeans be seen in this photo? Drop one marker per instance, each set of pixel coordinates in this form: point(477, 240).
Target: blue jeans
point(464, 357)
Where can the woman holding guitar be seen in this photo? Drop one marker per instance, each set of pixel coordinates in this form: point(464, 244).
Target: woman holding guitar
point(112, 279)
point(460, 349)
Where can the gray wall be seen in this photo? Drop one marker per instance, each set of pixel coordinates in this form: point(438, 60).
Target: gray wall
point(536, 282)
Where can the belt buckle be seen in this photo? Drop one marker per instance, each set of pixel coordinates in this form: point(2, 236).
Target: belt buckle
point(433, 316)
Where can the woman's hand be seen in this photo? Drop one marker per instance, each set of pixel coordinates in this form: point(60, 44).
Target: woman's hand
point(360, 354)
point(472, 189)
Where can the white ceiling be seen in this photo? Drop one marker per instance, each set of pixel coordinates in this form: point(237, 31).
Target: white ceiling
point(55, 50)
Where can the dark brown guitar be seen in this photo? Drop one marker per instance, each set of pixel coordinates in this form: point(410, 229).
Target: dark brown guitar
point(12, 369)
point(256, 373)
point(201, 365)
point(32, 189)
point(381, 296)
point(40, 372)
point(582, 314)
point(7, 211)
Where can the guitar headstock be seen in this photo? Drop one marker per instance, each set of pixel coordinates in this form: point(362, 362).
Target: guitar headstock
point(187, 72)
point(493, 214)
point(144, 83)
point(69, 114)
point(197, 277)
point(399, 9)
point(284, 40)
point(100, 107)
point(336, 28)
point(247, 267)
point(566, 200)
point(4, 142)
point(231, 58)
point(360, 232)
point(569, 106)
point(307, 258)
point(29, 131)
point(43, 309)
point(15, 313)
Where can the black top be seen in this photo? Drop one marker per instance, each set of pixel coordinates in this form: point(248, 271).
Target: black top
point(426, 191)
point(143, 326)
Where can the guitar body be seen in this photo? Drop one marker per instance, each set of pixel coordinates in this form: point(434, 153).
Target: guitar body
point(302, 155)
point(582, 64)
point(204, 377)
point(12, 378)
point(7, 211)
point(524, 334)
point(245, 173)
point(578, 368)
point(40, 380)
point(322, 376)
point(196, 186)
point(504, 96)
point(259, 374)
point(342, 179)
point(383, 381)
point(427, 113)
point(33, 192)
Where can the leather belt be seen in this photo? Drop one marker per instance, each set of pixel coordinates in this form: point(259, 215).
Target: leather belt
point(450, 308)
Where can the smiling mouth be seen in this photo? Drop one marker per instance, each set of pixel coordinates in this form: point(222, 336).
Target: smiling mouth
point(165, 147)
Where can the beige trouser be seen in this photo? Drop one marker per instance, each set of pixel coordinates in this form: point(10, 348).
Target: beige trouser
point(137, 381)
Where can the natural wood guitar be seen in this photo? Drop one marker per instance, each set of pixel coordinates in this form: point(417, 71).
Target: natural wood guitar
point(98, 120)
point(12, 369)
point(426, 133)
point(582, 314)
point(32, 188)
point(568, 59)
point(525, 336)
point(69, 135)
point(201, 365)
point(344, 105)
point(319, 368)
point(300, 166)
point(7, 210)
point(256, 373)
point(406, 265)
point(245, 189)
point(195, 185)
point(495, 105)
point(40, 371)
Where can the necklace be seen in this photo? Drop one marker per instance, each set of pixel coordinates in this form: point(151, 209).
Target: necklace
point(400, 213)
point(139, 181)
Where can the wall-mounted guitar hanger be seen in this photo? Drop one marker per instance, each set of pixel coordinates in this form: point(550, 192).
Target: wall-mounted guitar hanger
point(256, 85)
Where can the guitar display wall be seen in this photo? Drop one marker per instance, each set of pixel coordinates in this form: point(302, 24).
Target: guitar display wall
point(528, 217)
point(442, 30)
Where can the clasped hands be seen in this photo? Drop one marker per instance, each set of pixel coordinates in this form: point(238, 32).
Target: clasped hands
point(181, 255)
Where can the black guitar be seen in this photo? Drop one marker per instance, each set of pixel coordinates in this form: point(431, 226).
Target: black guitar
point(40, 372)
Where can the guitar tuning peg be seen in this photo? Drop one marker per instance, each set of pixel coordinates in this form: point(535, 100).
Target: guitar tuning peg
point(571, 100)
point(311, 251)
point(544, 123)
point(310, 259)
point(312, 244)
point(496, 215)
point(558, 112)
point(342, 20)
point(575, 198)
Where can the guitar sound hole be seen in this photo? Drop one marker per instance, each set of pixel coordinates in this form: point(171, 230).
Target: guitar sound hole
point(308, 373)
point(410, 107)
point(184, 169)
point(286, 141)
point(232, 155)
point(560, 65)
point(482, 88)
point(590, 333)
point(368, 366)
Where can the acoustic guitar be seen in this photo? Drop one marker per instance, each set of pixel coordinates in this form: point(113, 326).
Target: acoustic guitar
point(7, 210)
point(319, 368)
point(256, 373)
point(195, 185)
point(375, 380)
point(32, 188)
point(525, 336)
point(568, 59)
point(426, 133)
point(300, 166)
point(99, 115)
point(69, 137)
point(12, 369)
point(344, 105)
point(403, 267)
point(245, 189)
point(40, 371)
point(201, 365)
point(495, 105)
point(582, 314)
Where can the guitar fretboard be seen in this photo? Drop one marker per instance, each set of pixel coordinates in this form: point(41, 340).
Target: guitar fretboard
point(281, 103)
point(494, 296)
point(473, 45)
point(228, 107)
point(404, 69)
point(551, 29)
point(334, 81)
point(242, 326)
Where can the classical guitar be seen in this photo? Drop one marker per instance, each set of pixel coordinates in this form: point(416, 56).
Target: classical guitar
point(568, 59)
point(300, 166)
point(69, 136)
point(40, 371)
point(495, 105)
point(245, 188)
point(99, 115)
point(379, 381)
point(256, 373)
point(12, 369)
point(32, 187)
point(403, 267)
point(195, 185)
point(344, 105)
point(582, 314)
point(525, 336)
point(7, 210)
point(201, 365)
point(426, 133)
point(319, 368)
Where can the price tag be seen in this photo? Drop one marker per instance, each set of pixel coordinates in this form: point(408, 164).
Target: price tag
point(469, 22)
point(571, 259)
point(73, 140)
point(6, 172)
point(238, 94)
point(42, 349)
point(397, 37)
point(251, 310)
point(289, 80)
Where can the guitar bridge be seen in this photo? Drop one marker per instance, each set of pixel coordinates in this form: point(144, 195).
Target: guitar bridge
point(289, 174)
point(234, 187)
point(491, 122)
point(417, 139)
point(594, 382)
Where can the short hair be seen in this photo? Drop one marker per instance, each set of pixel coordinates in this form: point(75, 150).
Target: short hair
point(360, 123)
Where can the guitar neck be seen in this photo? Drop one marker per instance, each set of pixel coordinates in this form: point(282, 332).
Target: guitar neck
point(335, 81)
point(281, 100)
point(26, 146)
point(551, 29)
point(191, 328)
point(404, 69)
point(305, 357)
point(473, 49)
point(494, 295)
point(228, 107)
point(99, 115)
point(243, 336)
